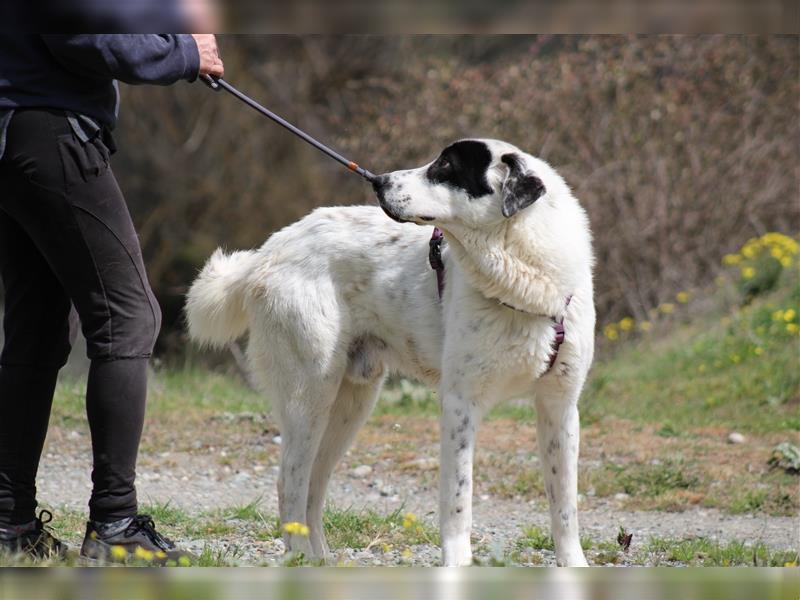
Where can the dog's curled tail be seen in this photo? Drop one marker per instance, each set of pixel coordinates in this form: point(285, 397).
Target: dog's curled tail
point(216, 309)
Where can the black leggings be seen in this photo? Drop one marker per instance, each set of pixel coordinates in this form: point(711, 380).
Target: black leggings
point(67, 240)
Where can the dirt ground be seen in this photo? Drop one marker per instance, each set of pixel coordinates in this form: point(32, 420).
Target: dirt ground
point(206, 464)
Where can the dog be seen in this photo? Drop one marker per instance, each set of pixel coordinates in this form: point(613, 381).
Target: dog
point(336, 301)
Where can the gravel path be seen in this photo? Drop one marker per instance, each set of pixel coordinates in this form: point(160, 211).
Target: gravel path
point(198, 483)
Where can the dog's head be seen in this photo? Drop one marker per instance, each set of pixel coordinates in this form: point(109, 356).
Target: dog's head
point(472, 183)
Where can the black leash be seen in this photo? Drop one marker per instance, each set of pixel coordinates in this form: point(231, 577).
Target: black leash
point(217, 83)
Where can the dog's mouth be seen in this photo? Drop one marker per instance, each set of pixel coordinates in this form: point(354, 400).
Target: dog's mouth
point(389, 212)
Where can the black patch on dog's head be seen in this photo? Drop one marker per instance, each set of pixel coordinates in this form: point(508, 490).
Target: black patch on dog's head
point(520, 189)
point(463, 165)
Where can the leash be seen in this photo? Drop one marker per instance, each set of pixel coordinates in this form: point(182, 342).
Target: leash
point(217, 84)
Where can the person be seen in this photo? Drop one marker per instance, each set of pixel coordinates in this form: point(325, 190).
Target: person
point(67, 240)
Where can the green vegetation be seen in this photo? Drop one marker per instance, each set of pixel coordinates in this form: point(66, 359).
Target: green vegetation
point(702, 552)
point(736, 370)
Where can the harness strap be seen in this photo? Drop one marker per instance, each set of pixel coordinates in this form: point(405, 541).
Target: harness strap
point(437, 264)
point(435, 258)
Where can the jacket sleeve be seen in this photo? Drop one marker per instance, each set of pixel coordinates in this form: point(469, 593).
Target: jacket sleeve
point(131, 58)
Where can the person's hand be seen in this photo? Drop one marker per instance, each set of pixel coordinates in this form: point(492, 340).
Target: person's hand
point(210, 62)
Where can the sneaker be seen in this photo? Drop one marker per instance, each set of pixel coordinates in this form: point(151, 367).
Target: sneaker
point(33, 539)
point(133, 539)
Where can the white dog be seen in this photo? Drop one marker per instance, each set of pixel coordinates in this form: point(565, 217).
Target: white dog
point(339, 299)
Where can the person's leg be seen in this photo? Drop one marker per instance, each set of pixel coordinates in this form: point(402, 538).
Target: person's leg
point(36, 331)
point(80, 223)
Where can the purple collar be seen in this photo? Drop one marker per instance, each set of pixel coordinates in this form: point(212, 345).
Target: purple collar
point(437, 264)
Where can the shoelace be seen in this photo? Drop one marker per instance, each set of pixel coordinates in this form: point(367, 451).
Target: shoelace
point(145, 524)
point(40, 520)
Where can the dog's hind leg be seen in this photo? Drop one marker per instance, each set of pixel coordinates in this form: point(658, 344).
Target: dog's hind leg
point(303, 416)
point(558, 430)
point(353, 405)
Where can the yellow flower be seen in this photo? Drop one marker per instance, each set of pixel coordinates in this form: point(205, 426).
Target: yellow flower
point(682, 297)
point(386, 548)
point(406, 553)
point(748, 251)
point(748, 272)
point(736, 359)
point(792, 327)
point(184, 561)
point(786, 262)
point(142, 554)
point(626, 324)
point(789, 315)
point(409, 519)
point(645, 325)
point(732, 259)
point(776, 252)
point(295, 528)
point(777, 315)
point(118, 552)
point(666, 308)
point(610, 331)
point(790, 564)
point(758, 351)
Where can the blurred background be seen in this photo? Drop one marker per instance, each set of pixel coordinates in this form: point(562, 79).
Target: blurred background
point(681, 148)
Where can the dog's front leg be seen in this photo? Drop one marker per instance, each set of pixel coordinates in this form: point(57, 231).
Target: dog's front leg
point(459, 424)
point(558, 428)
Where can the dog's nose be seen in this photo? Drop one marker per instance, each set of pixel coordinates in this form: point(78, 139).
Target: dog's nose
point(380, 182)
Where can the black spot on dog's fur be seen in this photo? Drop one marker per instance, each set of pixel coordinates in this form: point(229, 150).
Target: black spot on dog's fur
point(463, 165)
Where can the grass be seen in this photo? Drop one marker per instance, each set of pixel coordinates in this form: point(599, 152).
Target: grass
point(703, 552)
point(735, 369)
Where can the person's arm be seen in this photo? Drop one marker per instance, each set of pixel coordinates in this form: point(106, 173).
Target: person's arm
point(134, 58)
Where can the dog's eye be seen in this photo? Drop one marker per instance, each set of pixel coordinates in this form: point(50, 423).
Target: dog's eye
point(444, 163)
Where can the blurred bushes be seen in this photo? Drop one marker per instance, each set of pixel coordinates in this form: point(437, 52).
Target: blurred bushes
point(680, 148)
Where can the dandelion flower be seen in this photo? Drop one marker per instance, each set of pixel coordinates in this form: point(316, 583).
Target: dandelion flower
point(409, 519)
point(610, 331)
point(142, 554)
point(118, 552)
point(645, 326)
point(748, 272)
point(682, 297)
point(758, 351)
point(792, 327)
point(732, 259)
point(789, 315)
point(295, 528)
point(626, 324)
point(666, 308)
point(786, 262)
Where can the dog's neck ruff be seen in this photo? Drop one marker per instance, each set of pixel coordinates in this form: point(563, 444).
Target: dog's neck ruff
point(437, 264)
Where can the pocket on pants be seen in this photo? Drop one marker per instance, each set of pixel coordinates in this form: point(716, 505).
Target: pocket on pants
point(82, 161)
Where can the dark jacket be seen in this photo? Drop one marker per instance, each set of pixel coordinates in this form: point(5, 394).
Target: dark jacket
point(77, 72)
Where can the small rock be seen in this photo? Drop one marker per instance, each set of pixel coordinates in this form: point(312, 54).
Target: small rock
point(484, 497)
point(277, 440)
point(74, 435)
point(361, 471)
point(621, 496)
point(241, 477)
point(736, 438)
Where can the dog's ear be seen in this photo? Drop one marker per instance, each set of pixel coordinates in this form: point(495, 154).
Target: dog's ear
point(521, 188)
